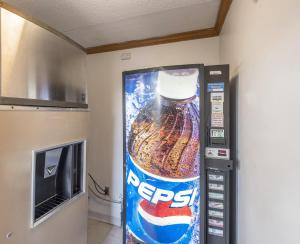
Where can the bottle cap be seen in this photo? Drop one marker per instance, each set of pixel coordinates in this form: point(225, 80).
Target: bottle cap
point(177, 84)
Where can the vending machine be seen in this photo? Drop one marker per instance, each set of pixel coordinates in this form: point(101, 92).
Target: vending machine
point(176, 155)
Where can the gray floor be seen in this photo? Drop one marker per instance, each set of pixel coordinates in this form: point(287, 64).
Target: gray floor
point(102, 233)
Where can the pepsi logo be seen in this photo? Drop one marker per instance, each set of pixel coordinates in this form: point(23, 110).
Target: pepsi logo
point(163, 223)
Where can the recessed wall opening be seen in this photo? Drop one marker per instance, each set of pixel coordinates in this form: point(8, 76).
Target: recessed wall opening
point(57, 178)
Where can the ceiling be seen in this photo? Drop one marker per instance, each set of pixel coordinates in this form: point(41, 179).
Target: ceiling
point(100, 22)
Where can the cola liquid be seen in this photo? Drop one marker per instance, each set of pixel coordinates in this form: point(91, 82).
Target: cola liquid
point(164, 138)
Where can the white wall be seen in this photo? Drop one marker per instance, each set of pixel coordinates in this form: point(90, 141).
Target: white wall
point(20, 133)
point(261, 41)
point(105, 155)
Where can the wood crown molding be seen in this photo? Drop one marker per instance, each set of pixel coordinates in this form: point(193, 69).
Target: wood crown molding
point(177, 37)
point(14, 10)
point(183, 36)
point(223, 11)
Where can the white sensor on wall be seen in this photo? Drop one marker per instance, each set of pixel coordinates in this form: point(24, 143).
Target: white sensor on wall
point(125, 56)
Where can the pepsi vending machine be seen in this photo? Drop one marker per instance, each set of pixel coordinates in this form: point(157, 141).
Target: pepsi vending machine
point(165, 113)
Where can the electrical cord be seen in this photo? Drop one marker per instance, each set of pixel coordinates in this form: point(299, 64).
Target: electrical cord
point(97, 185)
point(102, 198)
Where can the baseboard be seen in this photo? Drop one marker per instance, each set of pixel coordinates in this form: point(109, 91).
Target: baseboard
point(104, 218)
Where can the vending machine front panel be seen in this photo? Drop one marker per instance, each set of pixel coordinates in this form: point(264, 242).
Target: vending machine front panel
point(164, 174)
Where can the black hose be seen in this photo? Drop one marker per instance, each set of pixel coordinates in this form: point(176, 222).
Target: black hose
point(96, 185)
point(102, 198)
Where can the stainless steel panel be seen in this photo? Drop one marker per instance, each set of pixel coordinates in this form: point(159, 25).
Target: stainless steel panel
point(39, 65)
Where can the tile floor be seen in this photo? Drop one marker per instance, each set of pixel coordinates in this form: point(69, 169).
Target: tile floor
point(102, 233)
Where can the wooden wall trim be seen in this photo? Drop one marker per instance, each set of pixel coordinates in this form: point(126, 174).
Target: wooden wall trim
point(184, 36)
point(14, 10)
point(223, 10)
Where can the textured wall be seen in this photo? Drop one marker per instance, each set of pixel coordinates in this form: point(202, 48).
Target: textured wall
point(98, 22)
point(20, 133)
point(261, 40)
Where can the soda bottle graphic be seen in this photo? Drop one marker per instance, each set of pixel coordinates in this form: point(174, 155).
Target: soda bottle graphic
point(163, 164)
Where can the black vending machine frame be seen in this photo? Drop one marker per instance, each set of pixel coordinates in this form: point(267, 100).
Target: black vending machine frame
point(202, 145)
point(220, 167)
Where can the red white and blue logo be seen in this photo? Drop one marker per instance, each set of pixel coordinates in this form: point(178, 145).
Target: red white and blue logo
point(161, 210)
point(163, 223)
